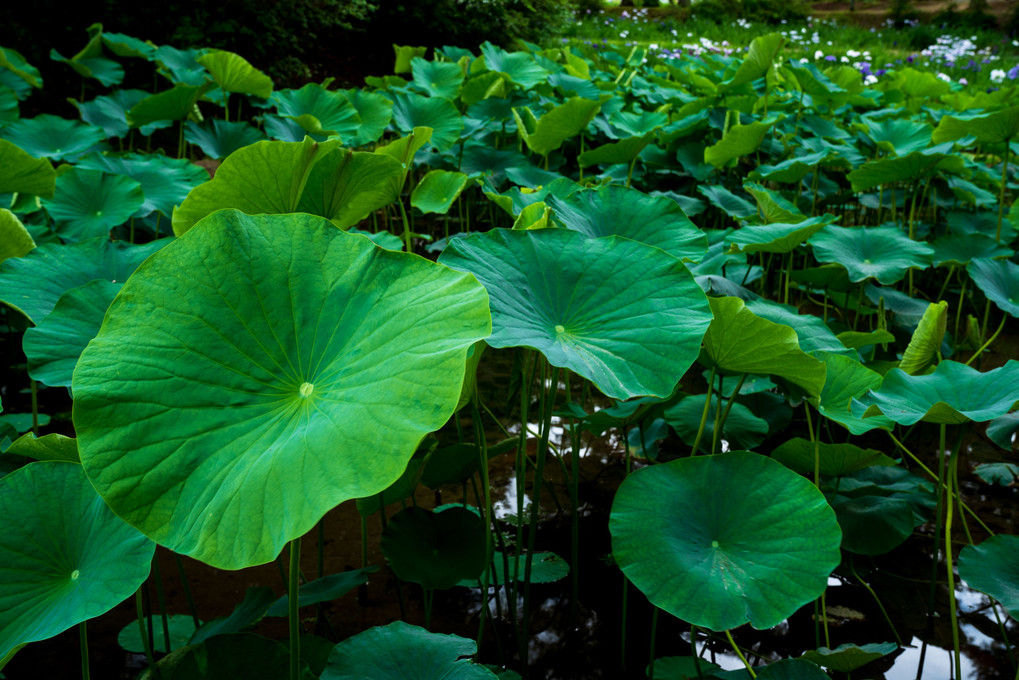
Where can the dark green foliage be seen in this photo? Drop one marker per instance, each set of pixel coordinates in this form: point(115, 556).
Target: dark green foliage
point(758, 11)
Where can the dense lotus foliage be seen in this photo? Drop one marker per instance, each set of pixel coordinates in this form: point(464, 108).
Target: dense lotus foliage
point(774, 283)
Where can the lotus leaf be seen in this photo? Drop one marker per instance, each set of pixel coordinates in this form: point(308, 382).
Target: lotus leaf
point(520, 67)
point(560, 292)
point(181, 627)
point(177, 103)
point(181, 66)
point(48, 136)
point(776, 238)
point(15, 241)
point(219, 138)
point(1002, 474)
point(834, 460)
point(127, 46)
point(546, 134)
point(546, 567)
point(437, 190)
point(925, 346)
point(993, 568)
point(233, 73)
point(909, 168)
point(374, 112)
point(435, 549)
point(405, 55)
point(436, 78)
point(48, 447)
point(165, 181)
point(682, 668)
point(88, 203)
point(960, 249)
point(241, 655)
point(331, 587)
point(63, 562)
point(999, 126)
point(411, 111)
point(334, 112)
point(873, 525)
point(758, 61)
point(110, 112)
point(742, 429)
point(697, 537)
point(999, 279)
point(846, 381)
point(883, 253)
point(106, 71)
point(13, 61)
point(848, 657)
point(1002, 430)
point(311, 335)
point(254, 606)
point(739, 141)
point(899, 136)
point(813, 334)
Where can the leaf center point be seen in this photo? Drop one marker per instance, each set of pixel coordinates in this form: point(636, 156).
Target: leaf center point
point(75, 574)
point(714, 544)
point(306, 389)
point(559, 328)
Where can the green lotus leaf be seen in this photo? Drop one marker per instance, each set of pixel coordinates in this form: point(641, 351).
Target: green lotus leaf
point(873, 525)
point(849, 657)
point(624, 315)
point(165, 181)
point(181, 628)
point(325, 589)
point(311, 336)
point(834, 460)
point(22, 422)
point(435, 549)
point(960, 249)
point(813, 333)
point(953, 394)
point(773, 207)
point(53, 346)
point(50, 137)
point(482, 86)
point(219, 138)
point(401, 651)
point(739, 341)
point(411, 111)
point(15, 63)
point(15, 241)
point(758, 61)
point(776, 238)
point(1002, 474)
point(621, 211)
point(739, 141)
point(437, 190)
point(8, 106)
point(909, 168)
point(925, 346)
point(384, 239)
point(623, 151)
point(405, 54)
point(254, 606)
point(374, 111)
point(62, 562)
point(32, 284)
point(899, 136)
point(847, 380)
point(110, 112)
point(241, 655)
point(859, 339)
point(565, 121)
point(181, 66)
point(638, 123)
point(791, 669)
point(48, 447)
point(264, 178)
point(178, 103)
point(520, 67)
point(1002, 429)
point(742, 429)
point(790, 170)
point(999, 280)
point(127, 46)
point(546, 567)
point(883, 253)
point(682, 668)
point(88, 203)
point(437, 78)
point(993, 568)
point(106, 71)
point(346, 186)
point(334, 112)
point(697, 536)
point(1000, 126)
point(728, 202)
point(400, 490)
point(233, 73)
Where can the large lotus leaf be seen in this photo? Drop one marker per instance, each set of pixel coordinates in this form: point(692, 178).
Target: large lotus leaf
point(181, 66)
point(623, 151)
point(106, 71)
point(233, 73)
point(790, 170)
point(88, 203)
point(128, 46)
point(776, 238)
point(900, 136)
point(435, 549)
point(739, 141)
point(412, 111)
point(834, 460)
point(624, 315)
point(1000, 126)
point(66, 559)
point(437, 78)
point(567, 120)
point(953, 394)
point(13, 61)
point(437, 190)
point(520, 67)
point(960, 249)
point(310, 336)
point(925, 344)
point(374, 111)
point(219, 138)
point(722, 540)
point(872, 524)
point(739, 341)
point(110, 112)
point(909, 168)
point(1002, 430)
point(813, 333)
point(638, 123)
point(48, 136)
point(883, 253)
point(742, 429)
point(264, 178)
point(178, 103)
point(728, 202)
point(620, 211)
point(999, 279)
point(236, 655)
point(993, 568)
point(758, 61)
point(847, 380)
point(333, 111)
point(8, 105)
point(346, 186)
point(47, 447)
point(546, 567)
point(32, 284)
point(15, 241)
point(53, 347)
point(165, 181)
point(848, 657)
point(401, 651)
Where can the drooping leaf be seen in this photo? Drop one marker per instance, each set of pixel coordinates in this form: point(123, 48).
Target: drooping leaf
point(291, 326)
point(925, 345)
point(256, 602)
point(47, 447)
point(233, 73)
point(999, 280)
point(993, 568)
point(325, 589)
point(835, 460)
point(15, 241)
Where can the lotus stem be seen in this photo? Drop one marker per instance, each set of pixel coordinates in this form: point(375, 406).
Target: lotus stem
point(731, 400)
point(704, 413)
point(1001, 192)
point(482, 450)
point(161, 597)
point(34, 386)
point(654, 635)
point(816, 440)
point(987, 344)
point(144, 629)
point(293, 606)
point(187, 590)
point(877, 600)
point(937, 521)
point(739, 653)
point(716, 430)
point(83, 640)
point(949, 563)
point(406, 226)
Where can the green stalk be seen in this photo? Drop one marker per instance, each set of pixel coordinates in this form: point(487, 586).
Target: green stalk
point(35, 406)
point(187, 589)
point(654, 635)
point(951, 570)
point(704, 413)
point(161, 597)
point(888, 620)
point(83, 641)
point(406, 226)
point(937, 521)
point(716, 431)
point(295, 623)
point(1001, 192)
point(146, 640)
point(482, 450)
point(739, 653)
point(729, 402)
point(987, 344)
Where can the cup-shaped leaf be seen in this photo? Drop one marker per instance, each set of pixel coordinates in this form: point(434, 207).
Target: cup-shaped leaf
point(437, 78)
point(282, 350)
point(999, 279)
point(435, 549)
point(413, 110)
point(233, 73)
point(900, 136)
point(953, 394)
point(374, 112)
point(165, 181)
point(722, 540)
point(66, 559)
point(884, 253)
point(624, 315)
point(521, 68)
point(49, 136)
point(993, 568)
point(332, 110)
point(88, 203)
